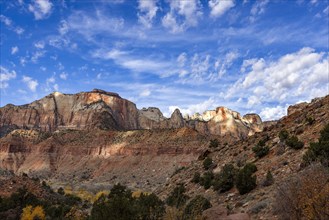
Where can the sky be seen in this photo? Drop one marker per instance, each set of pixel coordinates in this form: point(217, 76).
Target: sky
point(250, 56)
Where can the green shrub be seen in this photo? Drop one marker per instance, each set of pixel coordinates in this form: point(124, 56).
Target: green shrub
point(60, 191)
point(269, 180)
point(206, 179)
point(224, 181)
point(246, 181)
point(283, 135)
point(207, 163)
point(196, 178)
point(319, 151)
point(149, 207)
point(195, 207)
point(310, 120)
point(260, 151)
point(294, 143)
point(213, 143)
point(177, 197)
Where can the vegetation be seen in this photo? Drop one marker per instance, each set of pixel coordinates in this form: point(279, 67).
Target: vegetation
point(260, 151)
point(283, 135)
point(294, 143)
point(245, 180)
point(213, 143)
point(305, 196)
point(269, 180)
point(206, 179)
point(177, 197)
point(121, 205)
point(224, 181)
point(30, 213)
point(196, 178)
point(319, 151)
point(195, 207)
point(207, 163)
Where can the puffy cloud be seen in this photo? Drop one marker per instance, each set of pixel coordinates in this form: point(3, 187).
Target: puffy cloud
point(187, 12)
point(63, 75)
point(10, 25)
point(218, 7)
point(273, 113)
point(40, 44)
point(41, 9)
point(31, 83)
point(302, 75)
point(14, 50)
point(5, 76)
point(148, 10)
point(37, 55)
point(195, 108)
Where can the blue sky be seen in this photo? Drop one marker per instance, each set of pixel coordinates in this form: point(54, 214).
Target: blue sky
point(250, 56)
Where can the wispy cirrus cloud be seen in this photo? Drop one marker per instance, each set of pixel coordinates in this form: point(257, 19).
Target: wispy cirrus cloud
point(5, 76)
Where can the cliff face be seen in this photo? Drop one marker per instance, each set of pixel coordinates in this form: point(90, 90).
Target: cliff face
point(105, 110)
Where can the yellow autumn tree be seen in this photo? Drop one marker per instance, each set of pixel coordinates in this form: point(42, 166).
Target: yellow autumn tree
point(30, 213)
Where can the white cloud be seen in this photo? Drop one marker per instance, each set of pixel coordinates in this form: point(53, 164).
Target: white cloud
point(148, 10)
point(273, 113)
point(145, 93)
point(31, 83)
point(181, 59)
point(51, 80)
point(257, 9)
point(89, 26)
point(182, 15)
point(5, 76)
point(41, 9)
point(135, 63)
point(302, 75)
point(195, 108)
point(10, 25)
point(63, 75)
point(7, 21)
point(14, 50)
point(37, 55)
point(219, 7)
point(43, 68)
point(40, 44)
point(63, 27)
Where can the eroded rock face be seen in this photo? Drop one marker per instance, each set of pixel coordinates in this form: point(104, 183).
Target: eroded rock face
point(106, 110)
point(79, 111)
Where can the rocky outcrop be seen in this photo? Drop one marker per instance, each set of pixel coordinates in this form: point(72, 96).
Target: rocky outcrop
point(79, 111)
point(108, 111)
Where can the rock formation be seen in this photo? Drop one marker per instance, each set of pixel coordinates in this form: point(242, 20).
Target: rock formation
point(106, 110)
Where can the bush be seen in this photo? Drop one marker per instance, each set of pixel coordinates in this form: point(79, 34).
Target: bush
point(150, 207)
point(246, 181)
point(196, 178)
point(60, 191)
point(224, 181)
point(177, 198)
point(283, 135)
point(195, 207)
point(269, 180)
point(294, 143)
point(206, 179)
point(213, 143)
point(305, 196)
point(207, 163)
point(319, 151)
point(260, 151)
point(30, 213)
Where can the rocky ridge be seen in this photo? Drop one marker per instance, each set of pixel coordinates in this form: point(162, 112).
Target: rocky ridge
point(106, 110)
